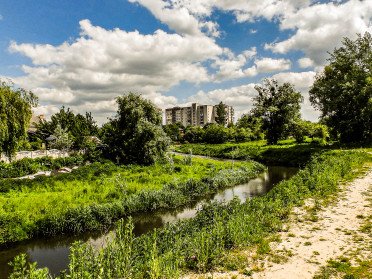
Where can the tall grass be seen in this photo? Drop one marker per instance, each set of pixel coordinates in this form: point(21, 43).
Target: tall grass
point(95, 196)
point(199, 243)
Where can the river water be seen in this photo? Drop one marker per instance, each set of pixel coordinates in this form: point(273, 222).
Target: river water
point(53, 252)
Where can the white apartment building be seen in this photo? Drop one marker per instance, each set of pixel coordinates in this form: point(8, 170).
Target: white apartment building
point(196, 115)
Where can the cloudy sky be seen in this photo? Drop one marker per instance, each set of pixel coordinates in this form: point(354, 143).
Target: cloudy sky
point(82, 54)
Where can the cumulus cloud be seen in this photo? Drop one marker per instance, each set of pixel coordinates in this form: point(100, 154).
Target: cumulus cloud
point(267, 65)
point(320, 27)
point(101, 64)
point(305, 62)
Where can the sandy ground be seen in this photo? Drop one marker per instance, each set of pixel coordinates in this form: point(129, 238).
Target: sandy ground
point(310, 242)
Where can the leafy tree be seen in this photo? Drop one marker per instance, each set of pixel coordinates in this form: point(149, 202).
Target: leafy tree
point(221, 114)
point(251, 123)
point(15, 116)
point(215, 133)
point(343, 91)
point(135, 134)
point(194, 134)
point(78, 126)
point(174, 131)
point(278, 106)
point(62, 140)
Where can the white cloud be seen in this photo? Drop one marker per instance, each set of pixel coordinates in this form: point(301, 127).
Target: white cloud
point(267, 65)
point(1, 17)
point(319, 28)
point(102, 64)
point(305, 62)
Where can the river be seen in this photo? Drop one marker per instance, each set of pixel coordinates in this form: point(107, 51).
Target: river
point(53, 252)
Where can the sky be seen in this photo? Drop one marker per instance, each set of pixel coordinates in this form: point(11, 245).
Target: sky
point(83, 54)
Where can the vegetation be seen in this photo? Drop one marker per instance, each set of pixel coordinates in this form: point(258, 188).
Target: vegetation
point(28, 166)
point(286, 152)
point(343, 91)
point(76, 127)
point(278, 106)
point(135, 135)
point(199, 244)
point(15, 115)
point(221, 114)
point(94, 196)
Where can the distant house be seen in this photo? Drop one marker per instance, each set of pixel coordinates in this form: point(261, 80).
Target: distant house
point(35, 120)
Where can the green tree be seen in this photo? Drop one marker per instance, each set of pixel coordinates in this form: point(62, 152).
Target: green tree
point(135, 134)
point(221, 114)
point(15, 116)
point(78, 126)
point(215, 133)
point(343, 91)
point(253, 124)
point(194, 134)
point(62, 140)
point(278, 106)
point(174, 131)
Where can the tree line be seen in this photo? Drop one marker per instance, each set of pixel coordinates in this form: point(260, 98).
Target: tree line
point(342, 92)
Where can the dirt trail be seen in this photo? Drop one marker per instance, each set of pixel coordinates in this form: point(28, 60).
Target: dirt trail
point(312, 240)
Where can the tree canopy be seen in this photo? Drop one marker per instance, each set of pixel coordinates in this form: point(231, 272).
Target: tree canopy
point(343, 91)
point(15, 116)
point(78, 126)
point(221, 114)
point(135, 134)
point(278, 106)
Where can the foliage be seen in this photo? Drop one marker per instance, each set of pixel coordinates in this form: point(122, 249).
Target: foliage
point(253, 123)
point(62, 139)
point(135, 134)
point(278, 106)
point(15, 115)
point(343, 91)
point(302, 129)
point(28, 166)
point(214, 133)
point(78, 126)
point(94, 196)
point(198, 244)
point(221, 114)
point(194, 134)
point(174, 131)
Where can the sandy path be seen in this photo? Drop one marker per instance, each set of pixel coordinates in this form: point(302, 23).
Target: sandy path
point(331, 236)
point(312, 243)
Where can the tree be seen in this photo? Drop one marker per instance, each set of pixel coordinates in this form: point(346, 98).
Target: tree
point(62, 140)
point(78, 126)
point(215, 133)
point(251, 123)
point(15, 116)
point(343, 91)
point(194, 134)
point(221, 114)
point(135, 134)
point(174, 131)
point(278, 106)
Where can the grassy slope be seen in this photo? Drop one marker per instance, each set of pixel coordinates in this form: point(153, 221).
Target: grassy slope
point(286, 152)
point(199, 244)
point(52, 205)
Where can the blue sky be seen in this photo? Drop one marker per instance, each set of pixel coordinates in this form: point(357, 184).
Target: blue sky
point(82, 54)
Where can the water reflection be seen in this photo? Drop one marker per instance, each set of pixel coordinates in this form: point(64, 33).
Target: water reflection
point(53, 253)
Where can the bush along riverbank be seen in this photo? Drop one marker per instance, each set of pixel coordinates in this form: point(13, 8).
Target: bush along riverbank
point(286, 153)
point(198, 244)
point(95, 196)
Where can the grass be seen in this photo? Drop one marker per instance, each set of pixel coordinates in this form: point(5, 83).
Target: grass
point(199, 244)
point(94, 196)
point(286, 152)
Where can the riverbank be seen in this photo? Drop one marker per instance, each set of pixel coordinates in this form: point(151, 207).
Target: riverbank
point(201, 243)
point(93, 197)
point(321, 240)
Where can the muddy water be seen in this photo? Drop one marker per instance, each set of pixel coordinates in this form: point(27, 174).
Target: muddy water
point(53, 252)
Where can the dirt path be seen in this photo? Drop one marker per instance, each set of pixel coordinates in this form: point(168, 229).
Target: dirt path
point(314, 238)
